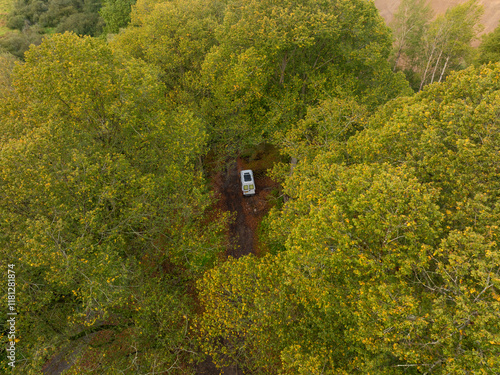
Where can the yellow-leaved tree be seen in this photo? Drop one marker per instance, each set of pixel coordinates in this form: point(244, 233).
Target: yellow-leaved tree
point(385, 256)
point(102, 210)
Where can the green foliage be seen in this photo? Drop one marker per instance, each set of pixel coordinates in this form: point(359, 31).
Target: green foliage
point(81, 16)
point(116, 14)
point(243, 300)
point(409, 25)
point(274, 59)
point(428, 50)
point(7, 63)
point(173, 36)
point(390, 233)
point(5, 7)
point(17, 43)
point(448, 41)
point(341, 240)
point(107, 193)
point(33, 18)
point(383, 251)
point(489, 50)
point(324, 128)
point(449, 136)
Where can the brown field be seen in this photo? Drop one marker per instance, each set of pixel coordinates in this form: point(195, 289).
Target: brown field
point(490, 19)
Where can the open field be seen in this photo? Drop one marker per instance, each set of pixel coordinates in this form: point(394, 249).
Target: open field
point(490, 20)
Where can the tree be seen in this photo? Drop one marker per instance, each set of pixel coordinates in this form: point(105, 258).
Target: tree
point(301, 307)
point(324, 128)
point(273, 59)
point(245, 320)
point(448, 40)
point(79, 16)
point(409, 25)
point(489, 49)
point(183, 32)
point(116, 14)
point(389, 245)
point(447, 135)
point(102, 208)
point(7, 63)
point(17, 44)
point(427, 50)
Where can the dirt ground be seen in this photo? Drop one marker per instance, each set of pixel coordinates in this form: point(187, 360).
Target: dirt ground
point(247, 212)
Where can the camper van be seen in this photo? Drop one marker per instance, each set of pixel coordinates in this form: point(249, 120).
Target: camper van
point(247, 182)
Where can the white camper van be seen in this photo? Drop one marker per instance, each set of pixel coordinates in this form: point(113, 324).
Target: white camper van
point(247, 182)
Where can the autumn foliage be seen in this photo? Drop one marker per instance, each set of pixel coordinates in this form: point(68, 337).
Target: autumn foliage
point(380, 252)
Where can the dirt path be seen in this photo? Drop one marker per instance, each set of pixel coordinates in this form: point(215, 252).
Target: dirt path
point(246, 211)
point(241, 239)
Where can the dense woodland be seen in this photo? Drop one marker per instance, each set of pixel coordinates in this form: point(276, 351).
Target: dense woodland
point(381, 250)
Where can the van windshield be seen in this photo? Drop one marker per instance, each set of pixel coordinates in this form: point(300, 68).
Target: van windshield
point(247, 177)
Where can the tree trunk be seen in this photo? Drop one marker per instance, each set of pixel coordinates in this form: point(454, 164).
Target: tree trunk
point(427, 68)
point(436, 66)
point(444, 68)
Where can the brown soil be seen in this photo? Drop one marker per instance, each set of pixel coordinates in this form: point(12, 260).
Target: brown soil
point(246, 211)
point(246, 214)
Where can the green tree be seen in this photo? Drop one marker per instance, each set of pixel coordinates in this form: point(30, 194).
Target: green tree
point(389, 245)
point(79, 16)
point(116, 14)
point(244, 304)
point(7, 63)
point(326, 127)
point(489, 49)
point(427, 50)
point(447, 43)
point(274, 59)
point(102, 208)
point(302, 307)
point(17, 43)
point(408, 26)
point(447, 136)
point(174, 36)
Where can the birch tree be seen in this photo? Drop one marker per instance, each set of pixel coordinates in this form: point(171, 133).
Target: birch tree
point(447, 42)
point(409, 26)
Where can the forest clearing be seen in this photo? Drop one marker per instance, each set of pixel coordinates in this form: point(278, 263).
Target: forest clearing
point(130, 237)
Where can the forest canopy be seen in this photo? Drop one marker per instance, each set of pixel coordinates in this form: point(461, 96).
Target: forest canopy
point(379, 250)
